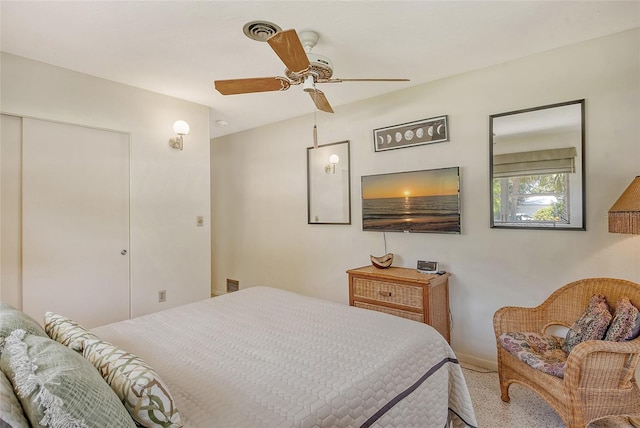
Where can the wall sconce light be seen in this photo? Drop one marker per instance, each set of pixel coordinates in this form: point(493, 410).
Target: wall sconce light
point(181, 128)
point(331, 166)
point(624, 215)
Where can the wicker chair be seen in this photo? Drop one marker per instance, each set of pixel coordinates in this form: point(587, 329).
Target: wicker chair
point(599, 376)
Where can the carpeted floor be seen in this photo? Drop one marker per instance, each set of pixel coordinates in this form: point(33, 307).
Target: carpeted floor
point(526, 409)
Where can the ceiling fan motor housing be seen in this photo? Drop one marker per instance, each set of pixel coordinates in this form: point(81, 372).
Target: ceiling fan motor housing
point(321, 68)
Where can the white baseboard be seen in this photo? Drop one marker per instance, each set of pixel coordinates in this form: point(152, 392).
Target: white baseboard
point(480, 362)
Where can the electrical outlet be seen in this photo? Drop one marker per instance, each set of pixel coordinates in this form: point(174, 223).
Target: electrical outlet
point(200, 221)
point(162, 296)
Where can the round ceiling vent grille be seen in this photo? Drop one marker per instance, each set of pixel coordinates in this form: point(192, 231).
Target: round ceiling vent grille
point(260, 30)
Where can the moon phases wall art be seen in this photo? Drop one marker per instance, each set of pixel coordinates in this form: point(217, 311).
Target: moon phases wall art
point(426, 131)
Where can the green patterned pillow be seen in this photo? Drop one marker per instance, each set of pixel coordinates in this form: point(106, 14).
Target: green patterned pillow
point(12, 319)
point(67, 332)
point(143, 393)
point(59, 388)
point(10, 409)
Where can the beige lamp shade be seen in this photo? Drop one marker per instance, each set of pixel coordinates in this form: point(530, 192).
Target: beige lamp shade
point(624, 215)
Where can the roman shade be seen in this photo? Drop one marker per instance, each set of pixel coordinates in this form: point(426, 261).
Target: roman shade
point(537, 162)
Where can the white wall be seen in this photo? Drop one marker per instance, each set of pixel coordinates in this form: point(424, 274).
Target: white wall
point(260, 235)
point(169, 188)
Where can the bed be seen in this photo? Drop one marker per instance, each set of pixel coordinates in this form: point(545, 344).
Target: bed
point(259, 357)
point(265, 357)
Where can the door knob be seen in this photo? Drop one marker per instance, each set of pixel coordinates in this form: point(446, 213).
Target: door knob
point(123, 252)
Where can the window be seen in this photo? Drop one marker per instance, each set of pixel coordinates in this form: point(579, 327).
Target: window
point(532, 200)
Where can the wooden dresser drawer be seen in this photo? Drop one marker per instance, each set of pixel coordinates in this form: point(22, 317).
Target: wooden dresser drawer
point(387, 292)
point(415, 316)
point(403, 292)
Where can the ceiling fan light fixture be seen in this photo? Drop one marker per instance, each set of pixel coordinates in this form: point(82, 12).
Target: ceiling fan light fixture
point(308, 39)
point(309, 84)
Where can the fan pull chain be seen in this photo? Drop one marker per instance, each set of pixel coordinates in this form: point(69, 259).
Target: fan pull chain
point(315, 116)
point(315, 136)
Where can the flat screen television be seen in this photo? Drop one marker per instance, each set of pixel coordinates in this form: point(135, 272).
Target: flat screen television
point(412, 201)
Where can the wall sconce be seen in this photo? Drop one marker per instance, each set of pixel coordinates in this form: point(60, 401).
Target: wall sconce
point(331, 166)
point(181, 128)
point(624, 215)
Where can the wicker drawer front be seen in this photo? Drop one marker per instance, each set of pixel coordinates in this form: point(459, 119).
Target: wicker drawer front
point(399, 294)
point(397, 312)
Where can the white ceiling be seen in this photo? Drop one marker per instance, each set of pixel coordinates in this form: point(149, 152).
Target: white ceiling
point(179, 48)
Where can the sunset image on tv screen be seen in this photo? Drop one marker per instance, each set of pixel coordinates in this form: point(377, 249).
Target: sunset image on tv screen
point(415, 201)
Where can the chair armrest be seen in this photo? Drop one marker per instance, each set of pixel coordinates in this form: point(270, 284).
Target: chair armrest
point(514, 318)
point(601, 364)
point(582, 350)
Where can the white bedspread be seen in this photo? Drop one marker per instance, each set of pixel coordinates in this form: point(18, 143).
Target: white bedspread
point(264, 357)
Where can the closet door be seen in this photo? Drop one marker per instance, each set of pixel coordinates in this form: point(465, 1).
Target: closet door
point(10, 216)
point(75, 219)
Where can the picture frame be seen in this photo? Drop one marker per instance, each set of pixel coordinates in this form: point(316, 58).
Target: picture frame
point(329, 184)
point(537, 167)
point(410, 134)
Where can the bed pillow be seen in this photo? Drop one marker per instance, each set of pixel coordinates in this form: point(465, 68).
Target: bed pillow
point(67, 332)
point(56, 385)
point(12, 319)
point(592, 324)
point(143, 392)
point(624, 321)
point(10, 409)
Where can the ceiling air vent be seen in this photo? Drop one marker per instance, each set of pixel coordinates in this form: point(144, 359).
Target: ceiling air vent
point(260, 30)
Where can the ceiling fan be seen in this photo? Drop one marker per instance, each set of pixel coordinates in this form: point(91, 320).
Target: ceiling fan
point(302, 67)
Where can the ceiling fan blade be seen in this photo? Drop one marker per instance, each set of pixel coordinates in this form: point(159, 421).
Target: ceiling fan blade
point(360, 80)
point(286, 44)
point(246, 86)
point(321, 101)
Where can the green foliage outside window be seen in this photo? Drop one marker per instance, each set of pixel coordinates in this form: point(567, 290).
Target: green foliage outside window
point(553, 213)
point(548, 183)
point(497, 201)
point(522, 188)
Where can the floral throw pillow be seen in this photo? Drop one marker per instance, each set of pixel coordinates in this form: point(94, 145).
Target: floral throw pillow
point(592, 324)
point(635, 333)
point(624, 321)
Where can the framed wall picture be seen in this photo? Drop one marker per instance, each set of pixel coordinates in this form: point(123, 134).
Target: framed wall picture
point(426, 131)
